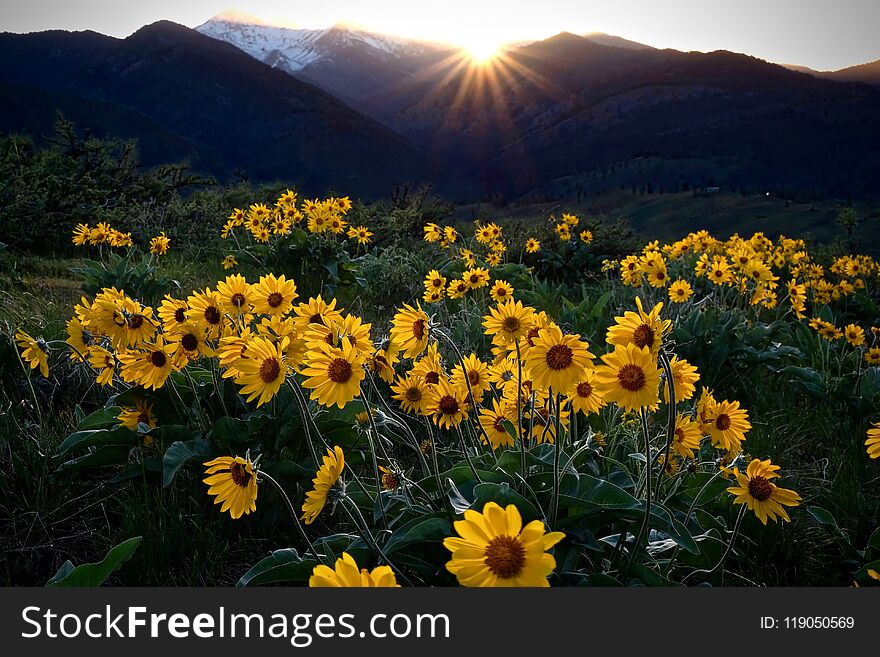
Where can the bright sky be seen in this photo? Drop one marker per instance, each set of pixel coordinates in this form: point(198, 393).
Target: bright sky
point(821, 34)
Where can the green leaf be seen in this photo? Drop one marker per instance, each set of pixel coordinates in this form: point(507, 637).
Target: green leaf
point(95, 574)
point(120, 436)
point(824, 518)
point(281, 566)
point(426, 529)
point(178, 454)
point(502, 494)
point(103, 418)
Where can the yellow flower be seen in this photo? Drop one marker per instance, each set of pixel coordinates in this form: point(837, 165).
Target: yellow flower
point(151, 365)
point(172, 312)
point(501, 291)
point(584, 396)
point(493, 549)
point(432, 233)
point(325, 479)
point(274, 296)
point(79, 338)
point(316, 311)
point(159, 244)
point(34, 352)
point(235, 294)
point(104, 362)
point(727, 424)
point(493, 422)
point(410, 329)
point(687, 436)
point(412, 393)
point(476, 278)
point(680, 291)
point(435, 281)
point(229, 262)
point(586, 236)
point(558, 361)
point(532, 245)
point(760, 494)
point(334, 374)
point(684, 379)
point(639, 328)
point(477, 376)
point(629, 377)
point(347, 575)
point(447, 404)
point(206, 309)
point(81, 234)
point(457, 289)
point(142, 413)
point(509, 321)
point(854, 334)
point(362, 234)
point(570, 219)
point(233, 482)
point(873, 441)
point(563, 231)
point(263, 371)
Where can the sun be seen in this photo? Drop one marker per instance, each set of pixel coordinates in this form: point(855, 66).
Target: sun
point(482, 51)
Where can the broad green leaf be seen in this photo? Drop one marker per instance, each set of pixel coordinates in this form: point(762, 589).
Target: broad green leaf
point(95, 574)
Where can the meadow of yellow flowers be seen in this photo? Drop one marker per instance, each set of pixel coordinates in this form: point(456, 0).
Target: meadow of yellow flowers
point(528, 454)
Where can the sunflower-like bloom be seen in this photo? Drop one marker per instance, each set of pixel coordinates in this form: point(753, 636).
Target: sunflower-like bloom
point(263, 371)
point(347, 575)
point(142, 413)
point(159, 245)
point(501, 291)
point(233, 482)
point(687, 436)
point(584, 396)
point(151, 365)
point(532, 245)
point(413, 394)
point(475, 372)
point(448, 405)
point(326, 477)
point(104, 363)
point(493, 420)
point(34, 352)
point(410, 329)
point(640, 328)
point(476, 278)
point(79, 338)
point(334, 374)
point(760, 494)
point(435, 281)
point(680, 291)
point(206, 308)
point(81, 234)
point(854, 334)
point(508, 322)
point(558, 361)
point(727, 424)
point(684, 379)
point(494, 549)
point(235, 293)
point(172, 312)
point(873, 441)
point(629, 377)
point(273, 296)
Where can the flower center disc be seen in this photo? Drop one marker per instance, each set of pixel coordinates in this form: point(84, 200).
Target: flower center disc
point(189, 342)
point(269, 370)
point(448, 405)
point(643, 336)
point(760, 488)
point(413, 394)
point(212, 315)
point(505, 557)
point(240, 475)
point(274, 299)
point(559, 356)
point(238, 299)
point(722, 422)
point(510, 324)
point(135, 322)
point(631, 377)
point(339, 370)
point(584, 389)
point(180, 315)
point(418, 329)
point(432, 377)
point(158, 358)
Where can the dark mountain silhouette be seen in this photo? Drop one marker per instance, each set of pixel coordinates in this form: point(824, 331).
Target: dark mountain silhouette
point(185, 95)
point(568, 113)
